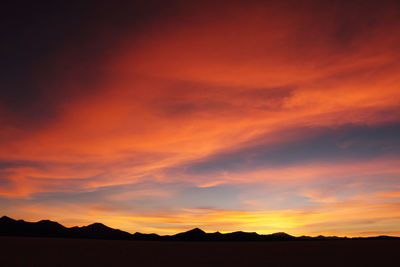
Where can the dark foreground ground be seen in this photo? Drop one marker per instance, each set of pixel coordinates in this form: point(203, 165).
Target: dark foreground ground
point(29, 251)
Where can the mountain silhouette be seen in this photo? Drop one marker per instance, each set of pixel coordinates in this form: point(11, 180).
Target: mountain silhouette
point(47, 228)
point(195, 234)
point(99, 230)
point(140, 236)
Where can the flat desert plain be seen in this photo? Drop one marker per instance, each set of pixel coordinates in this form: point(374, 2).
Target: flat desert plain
point(30, 251)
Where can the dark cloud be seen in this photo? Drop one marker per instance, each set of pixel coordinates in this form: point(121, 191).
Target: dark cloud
point(47, 43)
point(6, 184)
point(317, 145)
point(185, 99)
point(51, 52)
point(19, 163)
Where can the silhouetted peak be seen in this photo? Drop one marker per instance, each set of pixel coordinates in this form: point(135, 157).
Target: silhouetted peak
point(141, 236)
point(196, 231)
point(49, 223)
point(281, 234)
point(97, 226)
point(139, 233)
point(99, 230)
point(243, 233)
point(6, 219)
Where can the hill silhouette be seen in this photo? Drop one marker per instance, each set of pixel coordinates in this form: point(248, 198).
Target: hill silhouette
point(100, 231)
point(47, 228)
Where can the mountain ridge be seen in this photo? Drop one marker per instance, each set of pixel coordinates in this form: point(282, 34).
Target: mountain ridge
point(48, 228)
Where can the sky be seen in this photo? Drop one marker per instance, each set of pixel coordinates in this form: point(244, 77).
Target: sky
point(162, 116)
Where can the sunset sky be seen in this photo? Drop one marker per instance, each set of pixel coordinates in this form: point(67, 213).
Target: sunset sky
point(162, 116)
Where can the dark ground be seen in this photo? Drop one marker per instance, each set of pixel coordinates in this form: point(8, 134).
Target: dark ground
point(30, 251)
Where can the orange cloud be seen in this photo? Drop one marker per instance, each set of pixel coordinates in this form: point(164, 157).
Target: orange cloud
point(206, 81)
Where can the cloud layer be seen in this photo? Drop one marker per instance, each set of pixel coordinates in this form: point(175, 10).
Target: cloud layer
point(261, 116)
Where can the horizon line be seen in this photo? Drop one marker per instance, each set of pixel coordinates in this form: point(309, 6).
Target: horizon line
point(205, 232)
